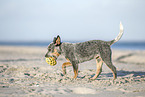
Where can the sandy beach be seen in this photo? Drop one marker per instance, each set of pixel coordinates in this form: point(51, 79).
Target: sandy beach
point(24, 73)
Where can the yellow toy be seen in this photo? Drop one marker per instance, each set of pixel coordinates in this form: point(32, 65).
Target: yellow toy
point(51, 61)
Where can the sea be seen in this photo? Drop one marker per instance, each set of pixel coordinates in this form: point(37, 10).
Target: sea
point(118, 45)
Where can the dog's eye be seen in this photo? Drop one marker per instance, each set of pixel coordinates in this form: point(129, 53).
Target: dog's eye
point(49, 49)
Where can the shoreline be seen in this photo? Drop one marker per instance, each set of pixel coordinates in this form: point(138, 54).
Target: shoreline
point(125, 45)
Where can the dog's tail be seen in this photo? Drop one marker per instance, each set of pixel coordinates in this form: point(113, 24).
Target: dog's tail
point(119, 35)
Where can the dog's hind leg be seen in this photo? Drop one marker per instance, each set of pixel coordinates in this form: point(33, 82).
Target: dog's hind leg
point(64, 65)
point(105, 54)
point(99, 68)
point(113, 69)
point(108, 62)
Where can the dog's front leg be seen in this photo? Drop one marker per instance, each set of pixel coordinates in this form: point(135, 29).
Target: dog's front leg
point(75, 68)
point(64, 65)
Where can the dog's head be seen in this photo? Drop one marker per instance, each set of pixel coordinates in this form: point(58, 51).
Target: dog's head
point(54, 49)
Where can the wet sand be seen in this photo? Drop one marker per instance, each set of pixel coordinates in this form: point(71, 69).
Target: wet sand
point(24, 72)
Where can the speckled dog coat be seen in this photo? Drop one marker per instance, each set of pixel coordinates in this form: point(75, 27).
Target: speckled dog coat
point(80, 52)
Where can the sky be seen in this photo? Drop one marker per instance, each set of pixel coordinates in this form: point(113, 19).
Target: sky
point(73, 20)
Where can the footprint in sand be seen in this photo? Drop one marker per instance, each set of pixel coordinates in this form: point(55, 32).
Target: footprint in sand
point(83, 90)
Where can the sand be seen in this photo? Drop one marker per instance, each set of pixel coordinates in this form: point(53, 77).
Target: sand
point(24, 73)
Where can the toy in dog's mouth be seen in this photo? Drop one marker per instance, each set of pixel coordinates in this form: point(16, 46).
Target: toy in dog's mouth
point(51, 61)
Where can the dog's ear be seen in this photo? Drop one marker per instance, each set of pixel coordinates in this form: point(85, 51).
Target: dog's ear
point(54, 40)
point(57, 41)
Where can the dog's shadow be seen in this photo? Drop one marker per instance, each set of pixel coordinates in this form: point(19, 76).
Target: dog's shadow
point(134, 73)
point(123, 74)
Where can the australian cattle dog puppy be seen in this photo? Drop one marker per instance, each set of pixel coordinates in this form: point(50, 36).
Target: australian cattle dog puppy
point(77, 53)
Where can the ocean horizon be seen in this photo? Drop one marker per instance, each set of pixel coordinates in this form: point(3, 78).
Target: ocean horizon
point(118, 45)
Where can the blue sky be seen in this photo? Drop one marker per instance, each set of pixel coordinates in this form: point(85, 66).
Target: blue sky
point(41, 20)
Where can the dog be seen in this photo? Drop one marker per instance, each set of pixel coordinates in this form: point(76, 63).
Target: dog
point(77, 53)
